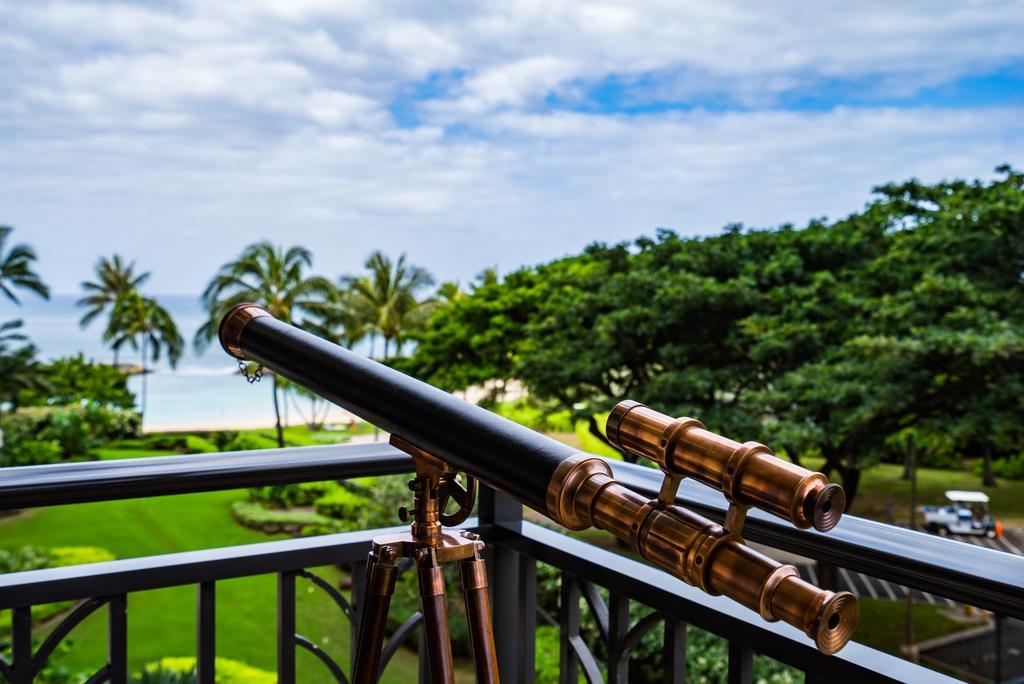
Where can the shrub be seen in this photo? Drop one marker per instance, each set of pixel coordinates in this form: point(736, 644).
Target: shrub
point(78, 555)
point(74, 380)
point(24, 558)
point(387, 494)
point(343, 504)
point(32, 452)
point(1011, 468)
point(286, 496)
point(221, 438)
point(167, 443)
point(244, 442)
point(537, 415)
point(77, 429)
point(272, 521)
point(227, 672)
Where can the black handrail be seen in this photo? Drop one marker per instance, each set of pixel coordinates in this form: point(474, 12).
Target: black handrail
point(65, 483)
point(971, 574)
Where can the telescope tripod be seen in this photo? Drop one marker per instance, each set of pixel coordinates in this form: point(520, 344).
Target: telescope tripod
point(431, 547)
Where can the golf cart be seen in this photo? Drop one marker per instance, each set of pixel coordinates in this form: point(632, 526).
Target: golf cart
point(966, 513)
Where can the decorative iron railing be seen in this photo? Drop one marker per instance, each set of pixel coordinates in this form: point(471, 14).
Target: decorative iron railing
point(515, 546)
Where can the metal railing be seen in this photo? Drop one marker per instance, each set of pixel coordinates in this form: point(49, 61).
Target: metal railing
point(515, 548)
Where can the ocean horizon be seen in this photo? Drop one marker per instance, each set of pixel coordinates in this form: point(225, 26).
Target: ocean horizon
point(204, 392)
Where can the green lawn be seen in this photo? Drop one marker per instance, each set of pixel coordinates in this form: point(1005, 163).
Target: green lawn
point(882, 482)
point(882, 624)
point(162, 623)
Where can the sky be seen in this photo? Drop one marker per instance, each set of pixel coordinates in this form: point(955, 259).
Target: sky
point(472, 135)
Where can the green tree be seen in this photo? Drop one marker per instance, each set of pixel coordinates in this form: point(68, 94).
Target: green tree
point(386, 298)
point(76, 380)
point(115, 279)
point(273, 278)
point(16, 269)
point(20, 371)
point(147, 327)
point(827, 340)
point(19, 368)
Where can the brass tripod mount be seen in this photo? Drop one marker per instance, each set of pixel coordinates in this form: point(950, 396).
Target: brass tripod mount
point(430, 546)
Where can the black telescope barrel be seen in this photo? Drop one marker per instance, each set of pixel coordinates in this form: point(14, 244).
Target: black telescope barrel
point(495, 450)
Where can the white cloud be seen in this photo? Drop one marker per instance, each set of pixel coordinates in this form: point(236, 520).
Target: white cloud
point(218, 122)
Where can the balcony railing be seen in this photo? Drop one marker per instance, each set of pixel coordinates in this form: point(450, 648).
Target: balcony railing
point(969, 574)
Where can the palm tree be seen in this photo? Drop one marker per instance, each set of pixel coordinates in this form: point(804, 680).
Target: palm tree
point(9, 332)
point(16, 269)
point(148, 327)
point(20, 369)
point(386, 298)
point(115, 279)
point(272, 278)
point(337, 318)
point(449, 291)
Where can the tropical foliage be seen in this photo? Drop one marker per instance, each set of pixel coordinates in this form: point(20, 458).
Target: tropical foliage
point(115, 280)
point(275, 279)
point(386, 299)
point(148, 327)
point(831, 340)
point(16, 269)
point(77, 381)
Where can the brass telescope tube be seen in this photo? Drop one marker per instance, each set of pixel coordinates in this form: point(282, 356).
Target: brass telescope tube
point(748, 474)
point(702, 553)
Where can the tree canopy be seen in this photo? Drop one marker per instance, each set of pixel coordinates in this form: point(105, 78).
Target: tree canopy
point(829, 339)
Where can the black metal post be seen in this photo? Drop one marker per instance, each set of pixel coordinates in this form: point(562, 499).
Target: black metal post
point(21, 646)
point(286, 627)
point(527, 633)
point(569, 627)
point(206, 632)
point(497, 509)
point(117, 639)
point(675, 651)
point(741, 664)
point(618, 628)
point(999, 648)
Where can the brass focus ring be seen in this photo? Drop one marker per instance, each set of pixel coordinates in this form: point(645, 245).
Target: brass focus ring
point(699, 561)
point(565, 484)
point(734, 469)
point(641, 523)
point(670, 439)
point(768, 590)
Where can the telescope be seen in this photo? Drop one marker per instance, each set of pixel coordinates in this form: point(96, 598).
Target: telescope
point(578, 490)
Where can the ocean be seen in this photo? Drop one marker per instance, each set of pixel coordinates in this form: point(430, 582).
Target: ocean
point(204, 392)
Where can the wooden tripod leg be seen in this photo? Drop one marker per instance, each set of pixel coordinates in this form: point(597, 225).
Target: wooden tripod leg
point(478, 615)
point(435, 619)
point(379, 587)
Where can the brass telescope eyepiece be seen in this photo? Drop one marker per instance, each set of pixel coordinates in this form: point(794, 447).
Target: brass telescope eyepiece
point(747, 474)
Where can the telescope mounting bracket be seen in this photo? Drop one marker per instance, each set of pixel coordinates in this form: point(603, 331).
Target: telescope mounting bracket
point(735, 515)
point(435, 486)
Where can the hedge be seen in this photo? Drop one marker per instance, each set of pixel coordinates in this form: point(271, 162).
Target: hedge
point(274, 521)
point(226, 671)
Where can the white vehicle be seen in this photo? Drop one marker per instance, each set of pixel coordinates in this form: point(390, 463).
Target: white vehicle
point(966, 513)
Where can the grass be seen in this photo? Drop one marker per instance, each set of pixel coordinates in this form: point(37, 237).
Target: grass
point(162, 622)
point(882, 624)
point(881, 483)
